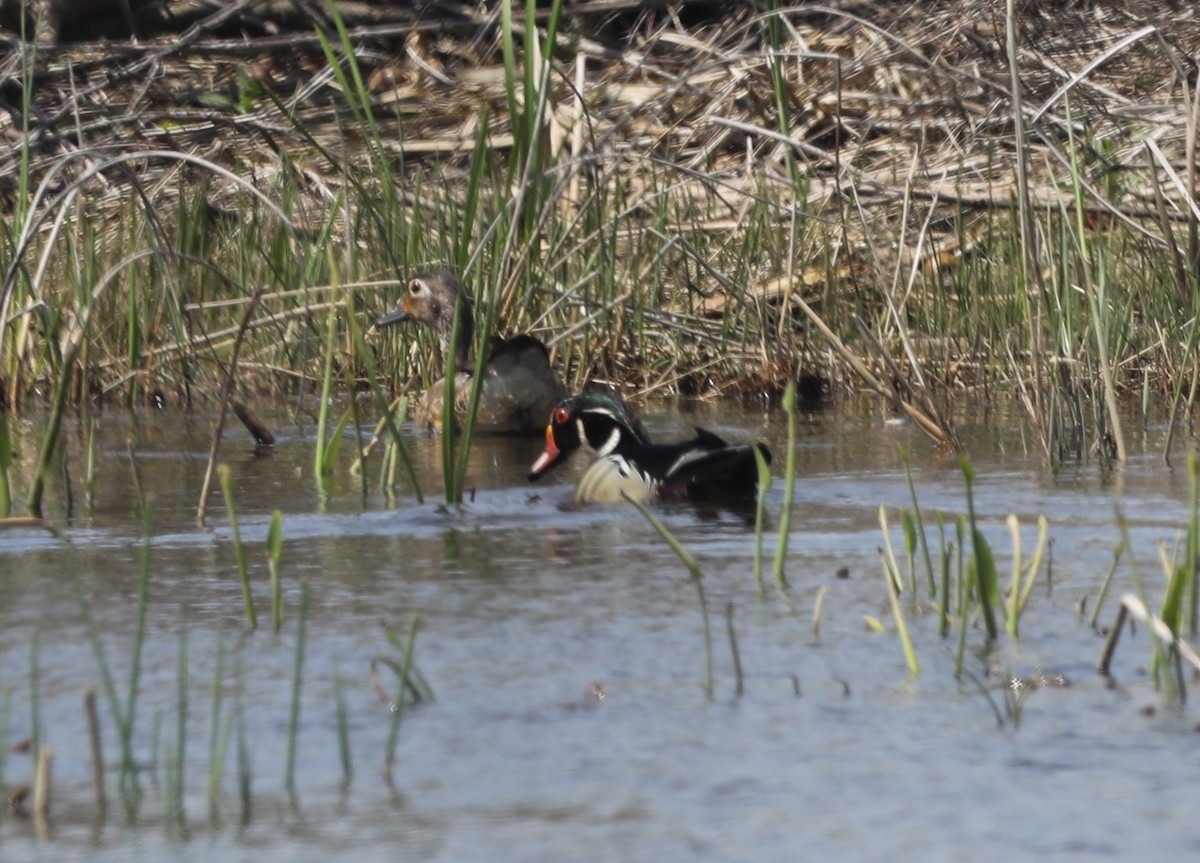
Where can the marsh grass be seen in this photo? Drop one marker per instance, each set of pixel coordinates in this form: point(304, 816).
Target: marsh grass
point(965, 585)
point(274, 558)
point(662, 229)
point(789, 487)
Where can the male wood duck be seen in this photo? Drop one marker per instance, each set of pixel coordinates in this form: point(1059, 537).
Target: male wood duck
point(705, 467)
point(519, 388)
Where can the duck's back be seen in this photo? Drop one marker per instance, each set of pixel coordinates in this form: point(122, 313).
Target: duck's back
point(519, 391)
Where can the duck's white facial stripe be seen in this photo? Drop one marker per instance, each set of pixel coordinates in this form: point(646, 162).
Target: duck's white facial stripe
point(610, 444)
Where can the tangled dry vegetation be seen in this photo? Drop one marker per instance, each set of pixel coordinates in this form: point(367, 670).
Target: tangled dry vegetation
point(827, 190)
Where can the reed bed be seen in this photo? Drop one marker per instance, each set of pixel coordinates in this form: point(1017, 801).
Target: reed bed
point(976, 198)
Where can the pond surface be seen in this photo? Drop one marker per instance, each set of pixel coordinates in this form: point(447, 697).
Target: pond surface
point(565, 650)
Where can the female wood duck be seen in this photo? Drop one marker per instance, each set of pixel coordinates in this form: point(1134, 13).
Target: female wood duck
point(705, 467)
point(519, 388)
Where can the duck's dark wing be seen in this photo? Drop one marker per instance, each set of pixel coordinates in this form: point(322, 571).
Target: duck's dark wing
point(710, 467)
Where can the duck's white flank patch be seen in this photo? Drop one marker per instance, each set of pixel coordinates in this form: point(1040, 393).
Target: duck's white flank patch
point(608, 477)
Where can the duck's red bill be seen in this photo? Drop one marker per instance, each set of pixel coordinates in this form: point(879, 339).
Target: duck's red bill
point(547, 459)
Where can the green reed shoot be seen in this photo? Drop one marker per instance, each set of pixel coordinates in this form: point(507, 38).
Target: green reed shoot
point(456, 480)
point(889, 558)
point(969, 584)
point(297, 679)
point(6, 454)
point(1180, 584)
point(1092, 258)
point(1181, 576)
point(982, 563)
point(891, 573)
point(33, 501)
point(947, 555)
point(890, 576)
point(355, 87)
point(697, 575)
point(334, 445)
point(239, 552)
point(918, 525)
point(89, 481)
point(321, 462)
point(449, 418)
point(274, 555)
point(965, 586)
point(789, 485)
point(908, 527)
point(1021, 584)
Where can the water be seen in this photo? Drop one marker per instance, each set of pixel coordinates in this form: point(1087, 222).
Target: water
point(565, 648)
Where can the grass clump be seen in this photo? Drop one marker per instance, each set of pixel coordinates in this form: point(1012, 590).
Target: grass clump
point(964, 583)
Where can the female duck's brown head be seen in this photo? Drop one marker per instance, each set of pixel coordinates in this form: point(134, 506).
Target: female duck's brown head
point(430, 299)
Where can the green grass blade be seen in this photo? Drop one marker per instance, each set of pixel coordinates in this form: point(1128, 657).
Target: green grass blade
point(789, 486)
point(986, 580)
point(889, 577)
point(920, 525)
point(326, 398)
point(764, 484)
point(334, 445)
point(6, 454)
point(274, 555)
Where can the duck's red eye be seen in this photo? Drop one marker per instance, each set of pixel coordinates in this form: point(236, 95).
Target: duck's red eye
point(561, 416)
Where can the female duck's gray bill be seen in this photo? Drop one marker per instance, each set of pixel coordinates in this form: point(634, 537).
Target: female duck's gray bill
point(393, 317)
